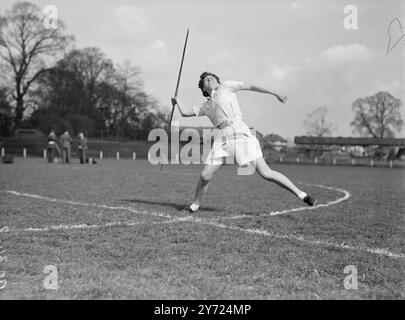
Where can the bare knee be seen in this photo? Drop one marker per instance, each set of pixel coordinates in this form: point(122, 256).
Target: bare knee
point(206, 176)
point(266, 173)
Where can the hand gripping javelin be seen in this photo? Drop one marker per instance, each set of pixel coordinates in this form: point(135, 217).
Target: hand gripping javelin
point(175, 93)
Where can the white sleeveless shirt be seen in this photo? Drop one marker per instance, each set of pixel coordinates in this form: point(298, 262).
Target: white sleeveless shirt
point(223, 105)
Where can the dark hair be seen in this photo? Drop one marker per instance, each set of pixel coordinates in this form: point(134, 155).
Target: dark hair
point(201, 82)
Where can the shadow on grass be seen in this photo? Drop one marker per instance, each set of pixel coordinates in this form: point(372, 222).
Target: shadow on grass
point(176, 206)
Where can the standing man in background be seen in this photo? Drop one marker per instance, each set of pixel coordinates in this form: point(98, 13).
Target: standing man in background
point(66, 142)
point(52, 147)
point(82, 148)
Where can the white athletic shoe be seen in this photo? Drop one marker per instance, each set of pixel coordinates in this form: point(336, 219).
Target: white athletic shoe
point(191, 208)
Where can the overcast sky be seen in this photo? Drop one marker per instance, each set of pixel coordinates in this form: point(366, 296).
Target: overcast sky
point(300, 48)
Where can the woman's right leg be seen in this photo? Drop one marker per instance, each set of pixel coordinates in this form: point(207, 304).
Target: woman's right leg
point(202, 185)
point(270, 175)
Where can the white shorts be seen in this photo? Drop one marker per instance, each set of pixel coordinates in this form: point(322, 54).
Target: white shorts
point(235, 143)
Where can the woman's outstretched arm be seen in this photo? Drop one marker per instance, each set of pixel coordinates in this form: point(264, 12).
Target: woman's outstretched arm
point(251, 87)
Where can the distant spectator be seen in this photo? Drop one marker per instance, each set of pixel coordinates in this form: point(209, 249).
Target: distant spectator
point(66, 142)
point(82, 148)
point(52, 147)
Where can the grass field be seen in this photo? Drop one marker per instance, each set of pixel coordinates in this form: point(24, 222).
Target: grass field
point(115, 230)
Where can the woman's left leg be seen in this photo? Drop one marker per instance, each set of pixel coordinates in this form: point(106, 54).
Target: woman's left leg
point(271, 175)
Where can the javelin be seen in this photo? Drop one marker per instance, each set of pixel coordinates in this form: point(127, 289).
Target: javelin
point(177, 89)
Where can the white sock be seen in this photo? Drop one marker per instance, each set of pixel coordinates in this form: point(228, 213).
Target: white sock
point(194, 207)
point(302, 195)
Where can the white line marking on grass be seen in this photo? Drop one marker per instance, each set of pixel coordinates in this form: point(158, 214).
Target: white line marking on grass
point(346, 196)
point(78, 203)
point(325, 243)
point(92, 226)
point(263, 232)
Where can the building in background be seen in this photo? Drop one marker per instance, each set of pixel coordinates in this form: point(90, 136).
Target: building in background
point(274, 141)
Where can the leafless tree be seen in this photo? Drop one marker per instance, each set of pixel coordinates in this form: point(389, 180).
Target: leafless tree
point(27, 47)
point(316, 125)
point(377, 116)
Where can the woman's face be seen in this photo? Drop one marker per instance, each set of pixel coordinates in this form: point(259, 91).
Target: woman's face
point(210, 83)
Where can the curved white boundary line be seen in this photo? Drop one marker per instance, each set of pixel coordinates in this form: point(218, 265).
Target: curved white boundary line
point(378, 251)
point(346, 196)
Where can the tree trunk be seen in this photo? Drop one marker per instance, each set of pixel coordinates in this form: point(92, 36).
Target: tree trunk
point(19, 112)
